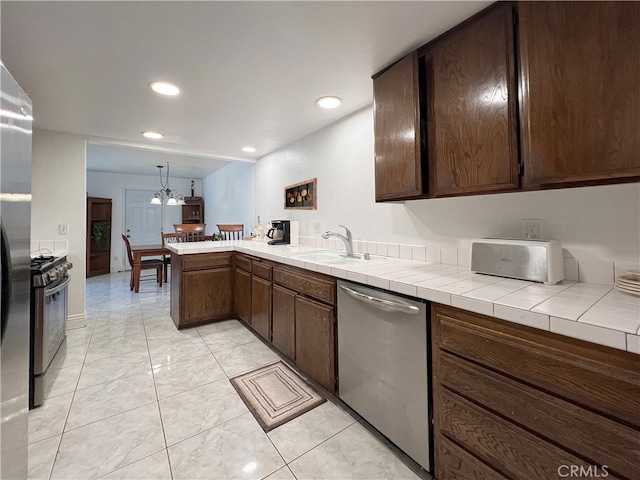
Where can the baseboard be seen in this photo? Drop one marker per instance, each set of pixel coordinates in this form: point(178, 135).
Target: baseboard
point(76, 321)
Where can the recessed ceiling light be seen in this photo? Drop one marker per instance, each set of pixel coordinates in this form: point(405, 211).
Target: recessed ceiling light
point(248, 149)
point(329, 102)
point(154, 135)
point(164, 88)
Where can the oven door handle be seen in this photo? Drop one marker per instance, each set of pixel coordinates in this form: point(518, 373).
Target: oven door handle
point(57, 288)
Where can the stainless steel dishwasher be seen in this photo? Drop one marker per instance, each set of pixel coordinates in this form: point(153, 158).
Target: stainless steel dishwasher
point(383, 365)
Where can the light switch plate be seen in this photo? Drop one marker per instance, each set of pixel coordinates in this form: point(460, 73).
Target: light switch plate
point(63, 229)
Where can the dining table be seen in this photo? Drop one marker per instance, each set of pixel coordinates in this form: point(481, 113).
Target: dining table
point(139, 252)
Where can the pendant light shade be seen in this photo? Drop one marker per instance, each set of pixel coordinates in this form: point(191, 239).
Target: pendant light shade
point(172, 196)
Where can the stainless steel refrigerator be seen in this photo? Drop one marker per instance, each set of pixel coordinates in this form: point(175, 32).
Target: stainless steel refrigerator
point(15, 226)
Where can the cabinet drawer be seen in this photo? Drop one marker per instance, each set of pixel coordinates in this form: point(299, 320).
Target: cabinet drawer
point(203, 261)
point(599, 378)
point(314, 285)
point(262, 270)
point(459, 465)
point(243, 262)
point(600, 439)
point(511, 449)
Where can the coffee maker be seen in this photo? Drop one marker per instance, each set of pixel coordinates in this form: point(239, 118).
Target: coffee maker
point(280, 232)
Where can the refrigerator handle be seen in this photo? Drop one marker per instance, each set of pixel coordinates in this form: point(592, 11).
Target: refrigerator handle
point(5, 273)
point(386, 305)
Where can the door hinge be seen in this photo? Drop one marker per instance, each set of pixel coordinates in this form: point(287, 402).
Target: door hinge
point(520, 168)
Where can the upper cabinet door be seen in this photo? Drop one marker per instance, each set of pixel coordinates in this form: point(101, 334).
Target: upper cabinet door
point(396, 118)
point(472, 125)
point(580, 80)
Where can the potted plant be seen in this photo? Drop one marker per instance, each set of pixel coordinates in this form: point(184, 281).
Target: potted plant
point(101, 233)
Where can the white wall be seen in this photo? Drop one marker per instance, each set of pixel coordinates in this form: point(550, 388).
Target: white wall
point(58, 189)
point(591, 222)
point(114, 185)
point(230, 197)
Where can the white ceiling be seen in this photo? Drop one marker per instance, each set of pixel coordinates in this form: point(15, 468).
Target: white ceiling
point(250, 72)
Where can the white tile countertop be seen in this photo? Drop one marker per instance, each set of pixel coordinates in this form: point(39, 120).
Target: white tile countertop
point(588, 311)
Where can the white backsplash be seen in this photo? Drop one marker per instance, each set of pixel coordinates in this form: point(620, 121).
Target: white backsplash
point(587, 270)
point(49, 247)
point(596, 226)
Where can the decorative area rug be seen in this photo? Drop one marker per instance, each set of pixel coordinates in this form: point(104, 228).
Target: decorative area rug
point(275, 394)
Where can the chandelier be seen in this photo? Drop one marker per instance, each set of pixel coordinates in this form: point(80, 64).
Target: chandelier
point(172, 196)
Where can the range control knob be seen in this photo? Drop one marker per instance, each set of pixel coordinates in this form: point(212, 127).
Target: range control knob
point(52, 275)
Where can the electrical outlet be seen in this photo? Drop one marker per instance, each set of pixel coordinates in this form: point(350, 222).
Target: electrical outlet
point(532, 229)
point(316, 228)
point(63, 229)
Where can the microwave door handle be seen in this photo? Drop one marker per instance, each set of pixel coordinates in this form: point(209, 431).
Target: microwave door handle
point(380, 303)
point(5, 274)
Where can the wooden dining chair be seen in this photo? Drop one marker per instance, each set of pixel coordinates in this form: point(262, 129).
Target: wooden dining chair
point(231, 231)
point(144, 264)
point(189, 232)
point(166, 259)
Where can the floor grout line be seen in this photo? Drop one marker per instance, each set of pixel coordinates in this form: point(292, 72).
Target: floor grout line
point(115, 297)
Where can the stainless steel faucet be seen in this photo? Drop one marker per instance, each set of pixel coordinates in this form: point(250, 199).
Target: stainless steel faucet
point(347, 240)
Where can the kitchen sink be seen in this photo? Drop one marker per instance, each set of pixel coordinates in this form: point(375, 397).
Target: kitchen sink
point(333, 257)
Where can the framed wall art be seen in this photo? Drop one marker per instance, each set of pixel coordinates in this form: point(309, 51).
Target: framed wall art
point(301, 196)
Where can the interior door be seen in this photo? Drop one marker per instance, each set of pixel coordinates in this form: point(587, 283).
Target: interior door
point(143, 221)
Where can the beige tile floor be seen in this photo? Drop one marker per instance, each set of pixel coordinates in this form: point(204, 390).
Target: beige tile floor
point(138, 399)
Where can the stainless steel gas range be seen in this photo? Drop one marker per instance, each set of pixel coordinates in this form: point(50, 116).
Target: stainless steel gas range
point(49, 305)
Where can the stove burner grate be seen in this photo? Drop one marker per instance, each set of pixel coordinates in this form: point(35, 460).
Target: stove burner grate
point(41, 260)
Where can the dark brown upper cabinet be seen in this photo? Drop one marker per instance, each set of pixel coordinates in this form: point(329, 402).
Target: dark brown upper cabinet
point(399, 168)
point(522, 96)
point(580, 82)
point(470, 86)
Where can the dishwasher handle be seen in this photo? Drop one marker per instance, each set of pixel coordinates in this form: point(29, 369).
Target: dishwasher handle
point(380, 303)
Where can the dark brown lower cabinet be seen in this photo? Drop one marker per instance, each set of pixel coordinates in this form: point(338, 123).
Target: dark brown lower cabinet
point(201, 288)
point(304, 322)
point(315, 341)
point(517, 402)
point(283, 333)
point(292, 308)
point(261, 306)
point(243, 295)
point(456, 464)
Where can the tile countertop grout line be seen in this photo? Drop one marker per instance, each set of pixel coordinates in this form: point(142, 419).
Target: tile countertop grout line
point(286, 255)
